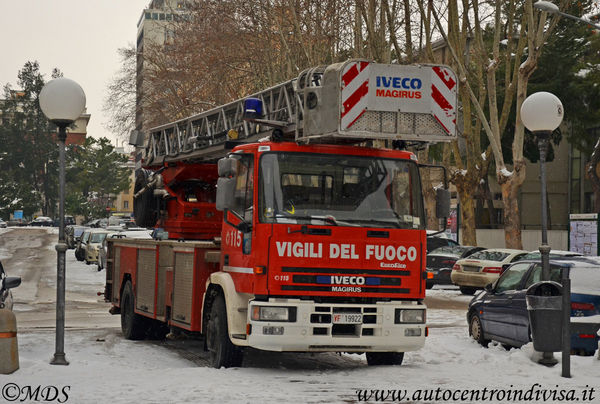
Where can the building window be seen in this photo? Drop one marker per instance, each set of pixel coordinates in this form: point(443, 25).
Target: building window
point(148, 16)
point(125, 204)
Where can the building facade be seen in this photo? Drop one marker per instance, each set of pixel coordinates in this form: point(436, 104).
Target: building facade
point(153, 29)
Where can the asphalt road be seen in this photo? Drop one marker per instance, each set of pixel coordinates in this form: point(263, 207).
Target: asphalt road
point(30, 254)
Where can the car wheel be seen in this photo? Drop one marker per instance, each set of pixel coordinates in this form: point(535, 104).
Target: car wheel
point(133, 325)
point(384, 358)
point(466, 290)
point(429, 285)
point(222, 351)
point(476, 330)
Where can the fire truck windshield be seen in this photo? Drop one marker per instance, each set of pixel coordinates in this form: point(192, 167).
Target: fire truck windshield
point(340, 190)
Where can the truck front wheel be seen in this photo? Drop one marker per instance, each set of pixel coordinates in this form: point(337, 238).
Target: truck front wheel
point(222, 351)
point(133, 325)
point(384, 358)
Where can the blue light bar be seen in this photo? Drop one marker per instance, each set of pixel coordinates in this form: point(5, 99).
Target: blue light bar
point(253, 108)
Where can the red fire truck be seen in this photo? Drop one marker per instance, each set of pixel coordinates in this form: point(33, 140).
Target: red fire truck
point(285, 226)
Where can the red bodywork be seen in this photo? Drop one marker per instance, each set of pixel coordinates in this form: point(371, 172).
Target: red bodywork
point(335, 260)
point(274, 259)
point(190, 208)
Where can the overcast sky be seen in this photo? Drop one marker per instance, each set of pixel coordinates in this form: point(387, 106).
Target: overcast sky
point(80, 37)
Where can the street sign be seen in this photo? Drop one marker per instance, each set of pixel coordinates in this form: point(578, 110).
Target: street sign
point(18, 214)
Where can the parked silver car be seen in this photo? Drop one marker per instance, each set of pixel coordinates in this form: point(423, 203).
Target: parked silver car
point(6, 284)
point(138, 233)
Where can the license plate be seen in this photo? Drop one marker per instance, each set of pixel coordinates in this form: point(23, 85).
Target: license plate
point(347, 318)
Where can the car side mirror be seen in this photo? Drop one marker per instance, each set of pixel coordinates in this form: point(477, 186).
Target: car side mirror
point(489, 287)
point(505, 267)
point(11, 282)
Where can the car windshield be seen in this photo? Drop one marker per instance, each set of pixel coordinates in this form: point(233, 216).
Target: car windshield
point(537, 255)
point(450, 250)
point(585, 280)
point(340, 190)
point(487, 255)
point(78, 231)
point(97, 237)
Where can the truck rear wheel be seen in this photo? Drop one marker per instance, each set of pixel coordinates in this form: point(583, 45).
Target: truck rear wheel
point(222, 351)
point(133, 325)
point(384, 358)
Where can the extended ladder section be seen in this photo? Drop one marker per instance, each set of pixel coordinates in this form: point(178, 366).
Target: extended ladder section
point(351, 101)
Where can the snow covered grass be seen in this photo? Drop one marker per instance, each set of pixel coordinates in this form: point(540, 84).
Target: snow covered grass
point(106, 368)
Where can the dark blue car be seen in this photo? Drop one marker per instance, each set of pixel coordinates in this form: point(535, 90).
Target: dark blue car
point(499, 312)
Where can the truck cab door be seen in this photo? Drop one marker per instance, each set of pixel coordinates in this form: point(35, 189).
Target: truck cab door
point(236, 198)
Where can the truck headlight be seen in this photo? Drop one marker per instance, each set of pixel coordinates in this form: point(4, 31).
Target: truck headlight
point(409, 316)
point(273, 313)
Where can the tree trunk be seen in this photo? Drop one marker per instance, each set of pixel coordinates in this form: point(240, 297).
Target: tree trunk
point(467, 214)
point(512, 217)
point(593, 174)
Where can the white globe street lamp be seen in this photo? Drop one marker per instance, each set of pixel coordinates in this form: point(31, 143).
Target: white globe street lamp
point(542, 113)
point(553, 9)
point(62, 101)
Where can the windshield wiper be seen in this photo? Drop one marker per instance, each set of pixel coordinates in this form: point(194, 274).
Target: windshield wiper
point(384, 222)
point(327, 219)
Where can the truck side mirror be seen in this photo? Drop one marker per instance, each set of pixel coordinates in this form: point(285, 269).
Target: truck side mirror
point(442, 203)
point(227, 167)
point(225, 193)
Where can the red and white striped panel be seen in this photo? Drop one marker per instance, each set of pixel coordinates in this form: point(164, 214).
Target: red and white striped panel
point(355, 87)
point(443, 96)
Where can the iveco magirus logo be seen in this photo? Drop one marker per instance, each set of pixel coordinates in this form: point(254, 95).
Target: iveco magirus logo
point(347, 280)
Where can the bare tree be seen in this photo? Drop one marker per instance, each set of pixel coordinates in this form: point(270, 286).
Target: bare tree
point(593, 174)
point(533, 29)
point(119, 102)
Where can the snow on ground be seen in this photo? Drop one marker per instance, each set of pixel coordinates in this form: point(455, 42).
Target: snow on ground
point(105, 368)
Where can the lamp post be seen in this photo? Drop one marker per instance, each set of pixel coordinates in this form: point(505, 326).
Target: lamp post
point(553, 9)
point(62, 101)
point(541, 113)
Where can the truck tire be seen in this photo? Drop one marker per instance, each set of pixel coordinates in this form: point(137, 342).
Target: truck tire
point(133, 325)
point(384, 358)
point(222, 352)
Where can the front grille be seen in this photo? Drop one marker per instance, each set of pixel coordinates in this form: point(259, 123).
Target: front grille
point(345, 330)
point(321, 320)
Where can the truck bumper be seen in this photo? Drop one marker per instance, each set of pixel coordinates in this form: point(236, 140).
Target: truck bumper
point(316, 328)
